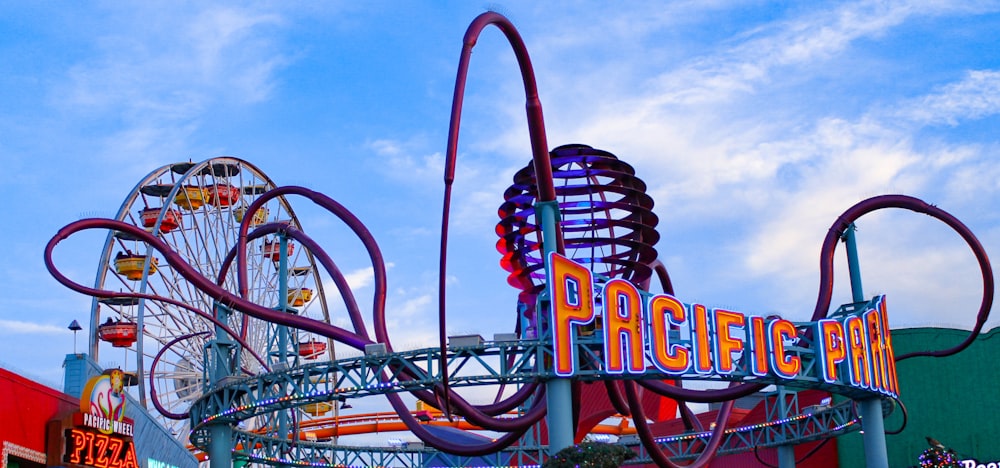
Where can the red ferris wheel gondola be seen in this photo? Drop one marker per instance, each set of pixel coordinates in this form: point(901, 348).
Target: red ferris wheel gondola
point(222, 195)
point(311, 349)
point(171, 220)
point(120, 334)
point(272, 250)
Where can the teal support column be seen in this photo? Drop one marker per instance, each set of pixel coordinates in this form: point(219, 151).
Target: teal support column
point(220, 446)
point(857, 292)
point(786, 456)
point(283, 330)
point(870, 410)
point(873, 425)
point(219, 354)
point(558, 391)
point(559, 400)
point(786, 453)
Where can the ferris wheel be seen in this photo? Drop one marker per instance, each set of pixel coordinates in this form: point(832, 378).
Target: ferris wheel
point(197, 209)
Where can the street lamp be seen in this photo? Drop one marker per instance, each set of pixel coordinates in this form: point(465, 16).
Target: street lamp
point(75, 326)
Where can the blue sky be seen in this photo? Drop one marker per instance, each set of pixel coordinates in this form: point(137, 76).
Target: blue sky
point(754, 124)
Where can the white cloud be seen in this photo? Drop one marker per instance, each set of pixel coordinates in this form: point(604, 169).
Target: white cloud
point(477, 190)
point(401, 162)
point(409, 322)
point(974, 97)
point(226, 38)
point(361, 278)
point(978, 179)
point(796, 42)
point(158, 81)
point(841, 165)
point(410, 314)
point(356, 281)
point(904, 255)
point(16, 327)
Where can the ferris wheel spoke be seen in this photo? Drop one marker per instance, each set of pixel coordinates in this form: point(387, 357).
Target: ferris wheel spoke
point(171, 317)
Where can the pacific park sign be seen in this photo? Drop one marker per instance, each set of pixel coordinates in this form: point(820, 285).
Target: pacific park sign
point(658, 334)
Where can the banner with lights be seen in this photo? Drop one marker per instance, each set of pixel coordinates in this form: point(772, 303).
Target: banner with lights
point(658, 335)
point(99, 435)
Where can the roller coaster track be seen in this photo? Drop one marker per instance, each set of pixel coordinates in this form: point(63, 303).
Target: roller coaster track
point(491, 363)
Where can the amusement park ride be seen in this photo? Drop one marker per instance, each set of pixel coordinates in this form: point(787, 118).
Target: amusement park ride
point(209, 284)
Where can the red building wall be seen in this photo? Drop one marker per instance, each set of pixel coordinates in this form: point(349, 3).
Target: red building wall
point(26, 406)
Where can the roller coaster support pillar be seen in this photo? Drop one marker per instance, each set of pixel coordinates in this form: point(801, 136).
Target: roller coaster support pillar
point(218, 364)
point(220, 447)
point(559, 398)
point(283, 330)
point(558, 391)
point(872, 422)
point(786, 456)
point(786, 453)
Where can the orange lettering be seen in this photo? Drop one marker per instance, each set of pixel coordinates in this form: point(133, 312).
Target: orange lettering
point(77, 443)
point(858, 352)
point(758, 344)
point(872, 321)
point(669, 358)
point(890, 356)
point(115, 445)
point(130, 460)
point(101, 449)
point(832, 346)
point(572, 289)
point(702, 344)
point(89, 458)
point(725, 343)
point(786, 365)
point(622, 327)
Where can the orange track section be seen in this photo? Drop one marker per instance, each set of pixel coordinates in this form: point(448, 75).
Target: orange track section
point(328, 428)
point(368, 423)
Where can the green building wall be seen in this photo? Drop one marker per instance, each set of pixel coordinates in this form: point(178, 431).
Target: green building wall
point(955, 400)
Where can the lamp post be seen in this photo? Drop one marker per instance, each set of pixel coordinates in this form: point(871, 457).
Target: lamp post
point(75, 326)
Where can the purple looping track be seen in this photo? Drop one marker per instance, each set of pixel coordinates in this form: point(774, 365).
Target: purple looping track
point(152, 377)
point(919, 206)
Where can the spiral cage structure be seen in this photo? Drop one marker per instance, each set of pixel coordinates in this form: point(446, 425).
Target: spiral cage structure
point(607, 220)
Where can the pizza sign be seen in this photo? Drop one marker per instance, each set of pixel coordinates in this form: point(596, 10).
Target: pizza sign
point(101, 435)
